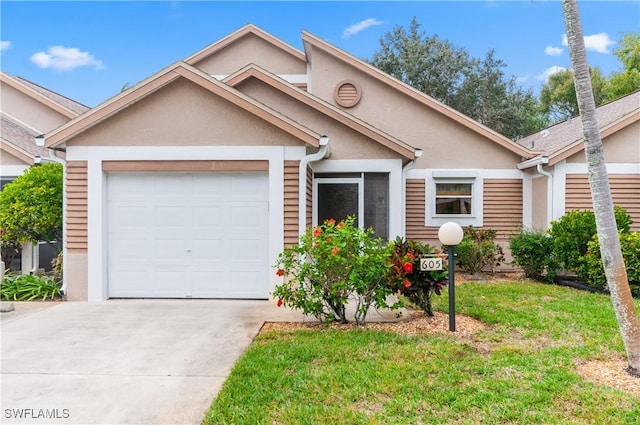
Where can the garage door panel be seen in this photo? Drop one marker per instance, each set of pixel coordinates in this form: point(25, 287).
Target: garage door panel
point(209, 249)
point(201, 235)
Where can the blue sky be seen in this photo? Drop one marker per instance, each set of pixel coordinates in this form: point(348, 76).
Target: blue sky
point(88, 50)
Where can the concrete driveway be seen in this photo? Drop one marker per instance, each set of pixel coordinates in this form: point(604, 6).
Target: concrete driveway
point(123, 361)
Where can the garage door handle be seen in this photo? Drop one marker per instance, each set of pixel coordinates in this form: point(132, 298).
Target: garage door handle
point(189, 250)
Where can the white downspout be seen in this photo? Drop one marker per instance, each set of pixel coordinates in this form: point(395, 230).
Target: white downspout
point(549, 176)
point(322, 153)
point(53, 158)
point(405, 170)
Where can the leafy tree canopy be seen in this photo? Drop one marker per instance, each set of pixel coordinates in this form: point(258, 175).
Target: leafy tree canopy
point(476, 87)
point(31, 205)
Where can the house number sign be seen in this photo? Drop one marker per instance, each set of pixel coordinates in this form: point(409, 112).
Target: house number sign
point(433, 263)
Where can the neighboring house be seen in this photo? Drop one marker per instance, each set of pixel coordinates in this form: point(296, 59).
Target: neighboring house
point(190, 183)
point(26, 111)
point(560, 181)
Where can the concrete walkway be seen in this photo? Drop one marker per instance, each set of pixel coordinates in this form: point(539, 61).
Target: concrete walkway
point(123, 361)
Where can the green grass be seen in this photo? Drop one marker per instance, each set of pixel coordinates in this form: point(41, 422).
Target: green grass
point(519, 370)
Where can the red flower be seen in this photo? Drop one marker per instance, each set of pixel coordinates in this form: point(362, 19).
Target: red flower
point(340, 225)
point(316, 232)
point(408, 267)
point(331, 222)
point(334, 251)
point(411, 257)
point(279, 302)
point(280, 272)
point(406, 283)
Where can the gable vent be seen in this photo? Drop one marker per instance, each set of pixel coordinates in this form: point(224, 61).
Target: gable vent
point(347, 93)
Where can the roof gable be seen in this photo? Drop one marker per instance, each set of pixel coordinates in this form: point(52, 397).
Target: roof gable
point(18, 140)
point(390, 142)
point(52, 100)
point(312, 42)
point(564, 139)
point(270, 48)
point(178, 70)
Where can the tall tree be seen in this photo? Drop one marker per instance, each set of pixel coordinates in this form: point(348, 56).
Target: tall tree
point(628, 80)
point(608, 237)
point(426, 63)
point(558, 94)
point(477, 88)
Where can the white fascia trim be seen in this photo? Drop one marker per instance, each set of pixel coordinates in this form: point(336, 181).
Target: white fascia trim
point(533, 162)
point(294, 153)
point(97, 289)
point(13, 170)
point(391, 166)
point(613, 168)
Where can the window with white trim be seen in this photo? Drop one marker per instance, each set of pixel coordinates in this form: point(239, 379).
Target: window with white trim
point(454, 196)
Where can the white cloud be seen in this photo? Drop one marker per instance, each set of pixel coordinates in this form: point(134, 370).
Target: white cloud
point(549, 72)
point(63, 58)
point(597, 42)
point(360, 26)
point(522, 79)
point(5, 45)
point(553, 51)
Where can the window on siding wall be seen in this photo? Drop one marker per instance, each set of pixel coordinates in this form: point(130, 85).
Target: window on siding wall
point(454, 196)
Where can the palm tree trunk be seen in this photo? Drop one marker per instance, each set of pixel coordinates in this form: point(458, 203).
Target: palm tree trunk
point(608, 237)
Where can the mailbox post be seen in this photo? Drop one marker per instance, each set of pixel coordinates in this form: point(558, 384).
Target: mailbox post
point(451, 234)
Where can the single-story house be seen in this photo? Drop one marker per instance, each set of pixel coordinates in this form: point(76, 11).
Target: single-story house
point(190, 183)
point(27, 110)
point(560, 180)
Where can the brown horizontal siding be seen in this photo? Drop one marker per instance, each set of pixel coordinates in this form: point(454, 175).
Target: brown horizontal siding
point(291, 209)
point(502, 206)
point(76, 213)
point(415, 213)
point(625, 192)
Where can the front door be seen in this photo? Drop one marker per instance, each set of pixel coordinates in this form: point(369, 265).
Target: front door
point(363, 195)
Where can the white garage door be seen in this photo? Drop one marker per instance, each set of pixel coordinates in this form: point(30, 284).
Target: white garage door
point(188, 235)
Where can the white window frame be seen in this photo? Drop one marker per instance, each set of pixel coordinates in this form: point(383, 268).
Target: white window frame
point(459, 177)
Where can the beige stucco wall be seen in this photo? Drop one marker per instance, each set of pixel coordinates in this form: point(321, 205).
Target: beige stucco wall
point(183, 113)
point(346, 143)
point(446, 143)
point(251, 49)
point(76, 274)
point(27, 110)
point(622, 147)
point(7, 159)
point(539, 203)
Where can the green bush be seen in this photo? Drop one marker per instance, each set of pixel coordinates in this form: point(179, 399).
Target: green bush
point(332, 264)
point(478, 252)
point(415, 284)
point(532, 251)
point(593, 270)
point(27, 287)
point(573, 231)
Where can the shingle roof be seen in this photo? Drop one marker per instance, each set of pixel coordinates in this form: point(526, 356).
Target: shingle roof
point(561, 135)
point(20, 137)
point(72, 105)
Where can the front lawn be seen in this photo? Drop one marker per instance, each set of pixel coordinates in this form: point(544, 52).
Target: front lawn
point(521, 369)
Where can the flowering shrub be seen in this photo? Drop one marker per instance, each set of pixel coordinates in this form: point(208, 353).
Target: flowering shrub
point(332, 264)
point(410, 281)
